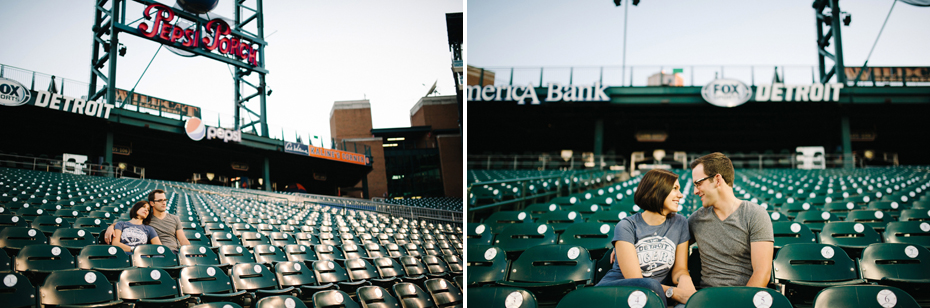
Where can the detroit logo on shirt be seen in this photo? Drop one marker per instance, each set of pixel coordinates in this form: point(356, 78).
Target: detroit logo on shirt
point(134, 236)
point(656, 253)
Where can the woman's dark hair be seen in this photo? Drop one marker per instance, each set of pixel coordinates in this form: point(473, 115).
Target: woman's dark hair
point(653, 189)
point(136, 207)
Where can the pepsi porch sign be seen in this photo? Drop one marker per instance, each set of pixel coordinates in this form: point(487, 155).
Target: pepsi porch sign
point(197, 131)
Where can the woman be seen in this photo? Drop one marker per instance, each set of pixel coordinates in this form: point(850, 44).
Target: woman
point(136, 231)
point(653, 244)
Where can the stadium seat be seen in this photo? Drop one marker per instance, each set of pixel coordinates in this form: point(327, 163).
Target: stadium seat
point(840, 209)
point(805, 269)
point(612, 297)
point(878, 220)
point(479, 234)
point(15, 238)
point(497, 222)
point(486, 265)
point(893, 208)
point(299, 253)
point(218, 305)
point(257, 279)
point(444, 293)
point(815, 219)
point(300, 276)
point(93, 225)
point(501, 297)
point(568, 267)
point(595, 237)
point(361, 270)
point(376, 297)
point(109, 260)
point(853, 237)
point(197, 238)
point(224, 238)
point(328, 252)
point(869, 296)
point(541, 208)
point(72, 239)
point(7, 220)
point(560, 220)
point(328, 272)
point(607, 217)
point(210, 284)
point(150, 287)
point(412, 296)
point(77, 288)
point(788, 232)
point(17, 292)
point(280, 301)
point(738, 297)
point(268, 254)
point(333, 298)
point(915, 215)
point(250, 239)
point(235, 254)
point(156, 256)
point(518, 238)
point(912, 232)
point(388, 268)
point(37, 261)
point(197, 254)
point(900, 265)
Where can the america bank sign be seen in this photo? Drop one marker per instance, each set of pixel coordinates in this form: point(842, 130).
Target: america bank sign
point(527, 94)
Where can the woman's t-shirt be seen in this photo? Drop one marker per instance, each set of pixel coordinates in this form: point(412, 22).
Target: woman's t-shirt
point(134, 235)
point(655, 245)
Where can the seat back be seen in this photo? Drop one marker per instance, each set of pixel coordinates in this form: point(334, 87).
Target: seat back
point(294, 273)
point(501, 297)
point(18, 237)
point(150, 255)
point(376, 297)
point(519, 237)
point(812, 262)
point(849, 234)
point(435, 265)
point(612, 297)
point(327, 271)
point(251, 239)
point(16, 291)
point(72, 238)
point(197, 254)
point(102, 256)
point(90, 224)
point(454, 263)
point(895, 261)
point(789, 232)
point(375, 250)
point(388, 268)
point(43, 257)
point(410, 295)
point(353, 251)
point(873, 218)
point(564, 262)
point(864, 296)
point(234, 254)
point(915, 215)
point(333, 298)
point(203, 279)
point(328, 252)
point(224, 238)
point(253, 276)
point(76, 287)
point(146, 283)
point(288, 301)
point(413, 266)
point(739, 296)
point(913, 232)
point(9, 220)
point(595, 237)
point(268, 254)
point(486, 264)
point(359, 269)
point(299, 253)
point(444, 293)
point(197, 238)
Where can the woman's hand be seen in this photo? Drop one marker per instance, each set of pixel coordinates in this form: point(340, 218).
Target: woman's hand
point(684, 290)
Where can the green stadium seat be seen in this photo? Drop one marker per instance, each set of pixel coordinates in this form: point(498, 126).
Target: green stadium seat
point(789, 232)
point(210, 284)
point(258, 280)
point(560, 220)
point(268, 254)
point(915, 215)
point(853, 237)
point(12, 221)
point(805, 269)
point(567, 268)
point(72, 239)
point(541, 208)
point(486, 265)
point(612, 297)
point(595, 237)
point(196, 237)
point(329, 272)
point(444, 293)
point(815, 219)
point(872, 218)
point(361, 270)
point(77, 288)
point(235, 254)
point(864, 296)
point(518, 238)
point(412, 296)
point(501, 297)
point(499, 221)
point(218, 305)
point(150, 287)
point(911, 232)
point(608, 217)
point(376, 297)
point(301, 253)
point(156, 256)
point(197, 254)
point(840, 209)
point(456, 268)
point(16, 291)
point(37, 261)
point(93, 225)
point(479, 234)
point(738, 296)
point(109, 260)
point(904, 266)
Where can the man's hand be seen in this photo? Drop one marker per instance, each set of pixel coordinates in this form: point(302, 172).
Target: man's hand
point(613, 255)
point(685, 289)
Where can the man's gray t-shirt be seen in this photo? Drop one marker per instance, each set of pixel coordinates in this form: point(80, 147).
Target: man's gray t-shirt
point(167, 230)
point(655, 245)
point(726, 258)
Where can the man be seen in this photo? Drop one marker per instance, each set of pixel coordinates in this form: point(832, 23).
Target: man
point(735, 237)
point(167, 226)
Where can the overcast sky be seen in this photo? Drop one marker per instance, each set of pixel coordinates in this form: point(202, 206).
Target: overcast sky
point(319, 52)
point(553, 33)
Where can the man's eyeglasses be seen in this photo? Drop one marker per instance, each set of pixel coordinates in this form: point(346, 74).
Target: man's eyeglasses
point(698, 182)
point(160, 200)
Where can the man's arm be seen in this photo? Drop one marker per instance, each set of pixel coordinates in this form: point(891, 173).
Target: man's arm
point(761, 254)
point(108, 236)
point(182, 239)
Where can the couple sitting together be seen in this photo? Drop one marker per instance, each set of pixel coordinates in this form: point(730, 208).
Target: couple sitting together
point(735, 237)
point(150, 223)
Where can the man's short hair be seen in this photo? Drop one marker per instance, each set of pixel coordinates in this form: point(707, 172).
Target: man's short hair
point(152, 194)
point(653, 189)
point(716, 163)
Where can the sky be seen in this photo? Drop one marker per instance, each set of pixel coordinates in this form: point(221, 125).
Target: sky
point(319, 52)
point(669, 34)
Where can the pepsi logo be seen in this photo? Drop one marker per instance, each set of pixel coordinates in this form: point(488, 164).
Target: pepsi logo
point(13, 93)
point(195, 128)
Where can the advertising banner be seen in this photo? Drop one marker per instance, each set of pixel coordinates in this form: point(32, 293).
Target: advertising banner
point(324, 153)
point(14, 94)
point(154, 103)
point(890, 74)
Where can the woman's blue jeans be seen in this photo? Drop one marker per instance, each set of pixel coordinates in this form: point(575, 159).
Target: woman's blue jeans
point(647, 283)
